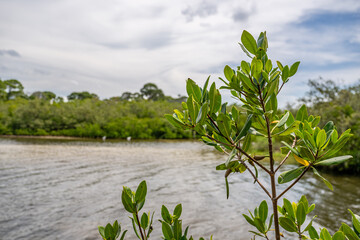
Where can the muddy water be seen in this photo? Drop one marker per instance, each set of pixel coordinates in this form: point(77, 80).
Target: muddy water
point(51, 189)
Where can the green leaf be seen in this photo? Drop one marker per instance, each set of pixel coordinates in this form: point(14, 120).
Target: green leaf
point(300, 214)
point(228, 72)
point(177, 211)
point(166, 230)
point(141, 192)
point(289, 209)
point(165, 214)
point(191, 108)
point(245, 67)
point(334, 161)
point(310, 223)
point(201, 117)
point(294, 68)
point(293, 150)
point(224, 124)
point(338, 236)
point(102, 231)
point(127, 202)
point(144, 221)
point(193, 89)
point(328, 184)
point(259, 225)
point(287, 224)
point(249, 220)
point(325, 235)
point(256, 67)
point(249, 42)
point(123, 235)
point(355, 221)
point(174, 121)
point(280, 65)
point(263, 211)
point(313, 233)
point(321, 138)
point(290, 175)
point(215, 99)
point(231, 157)
point(108, 232)
point(245, 128)
point(268, 66)
point(302, 114)
point(285, 73)
point(203, 92)
point(349, 233)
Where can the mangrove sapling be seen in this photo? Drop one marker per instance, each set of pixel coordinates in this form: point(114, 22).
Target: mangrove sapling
point(256, 85)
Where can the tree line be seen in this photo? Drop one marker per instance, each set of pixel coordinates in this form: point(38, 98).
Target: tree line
point(41, 113)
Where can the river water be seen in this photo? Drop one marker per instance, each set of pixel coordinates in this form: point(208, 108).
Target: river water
point(51, 189)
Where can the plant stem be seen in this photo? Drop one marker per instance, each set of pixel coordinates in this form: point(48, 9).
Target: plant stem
point(286, 157)
point(137, 219)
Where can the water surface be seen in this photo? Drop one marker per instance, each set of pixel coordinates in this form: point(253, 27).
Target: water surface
point(51, 189)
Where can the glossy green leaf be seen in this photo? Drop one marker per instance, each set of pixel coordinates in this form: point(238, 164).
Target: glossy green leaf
point(356, 222)
point(290, 175)
point(338, 236)
point(300, 214)
point(127, 202)
point(287, 224)
point(313, 233)
point(293, 150)
point(263, 211)
point(285, 73)
point(349, 233)
point(165, 214)
point(215, 99)
point(302, 113)
point(177, 211)
point(228, 72)
point(245, 128)
point(293, 69)
point(166, 230)
point(193, 89)
point(249, 220)
point(245, 67)
point(289, 209)
point(144, 222)
point(249, 42)
point(141, 192)
point(325, 235)
point(334, 161)
point(321, 138)
point(328, 184)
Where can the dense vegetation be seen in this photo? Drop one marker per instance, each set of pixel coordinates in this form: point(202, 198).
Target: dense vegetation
point(139, 115)
point(341, 104)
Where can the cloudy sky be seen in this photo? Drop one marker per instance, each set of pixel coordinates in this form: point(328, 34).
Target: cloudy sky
point(112, 46)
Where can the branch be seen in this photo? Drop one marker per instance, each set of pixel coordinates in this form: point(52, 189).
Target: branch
point(242, 151)
point(255, 178)
point(286, 157)
point(289, 187)
point(242, 162)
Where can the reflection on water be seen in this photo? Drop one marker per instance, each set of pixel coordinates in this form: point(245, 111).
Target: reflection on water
point(65, 189)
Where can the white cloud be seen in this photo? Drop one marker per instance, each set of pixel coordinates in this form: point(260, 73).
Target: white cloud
point(116, 46)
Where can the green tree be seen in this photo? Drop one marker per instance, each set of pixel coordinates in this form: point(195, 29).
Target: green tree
point(44, 95)
point(14, 89)
point(82, 96)
point(256, 84)
point(151, 92)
